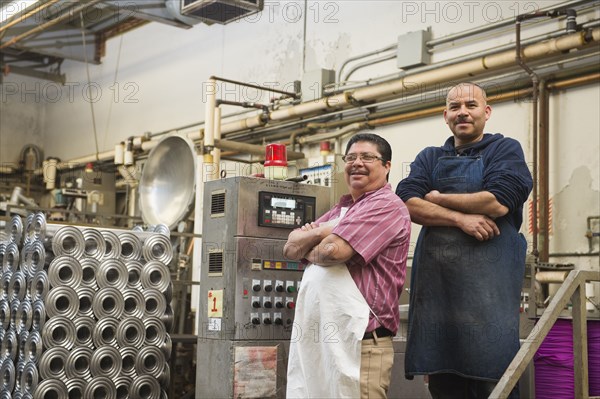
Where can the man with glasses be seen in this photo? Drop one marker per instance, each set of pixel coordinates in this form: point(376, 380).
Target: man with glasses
point(469, 261)
point(347, 308)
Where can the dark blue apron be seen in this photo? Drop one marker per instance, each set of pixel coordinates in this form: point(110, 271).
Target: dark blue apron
point(465, 293)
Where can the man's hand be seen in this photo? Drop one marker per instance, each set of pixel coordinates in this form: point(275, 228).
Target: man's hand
point(479, 226)
point(301, 241)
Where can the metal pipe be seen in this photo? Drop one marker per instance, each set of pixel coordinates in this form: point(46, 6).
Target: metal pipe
point(216, 152)
point(252, 149)
point(209, 113)
point(42, 27)
point(544, 167)
point(574, 254)
point(496, 25)
point(346, 130)
point(534, 84)
point(483, 53)
point(573, 82)
point(368, 63)
point(26, 15)
point(285, 93)
point(589, 233)
point(365, 55)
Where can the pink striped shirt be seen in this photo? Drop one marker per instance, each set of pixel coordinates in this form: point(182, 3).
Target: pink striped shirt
point(377, 226)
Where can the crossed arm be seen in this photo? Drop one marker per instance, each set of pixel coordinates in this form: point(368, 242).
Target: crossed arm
point(318, 245)
point(473, 213)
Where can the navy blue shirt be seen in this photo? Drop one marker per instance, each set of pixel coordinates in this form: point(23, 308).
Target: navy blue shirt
point(505, 173)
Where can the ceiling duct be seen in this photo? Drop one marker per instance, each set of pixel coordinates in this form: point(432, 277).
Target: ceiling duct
point(220, 11)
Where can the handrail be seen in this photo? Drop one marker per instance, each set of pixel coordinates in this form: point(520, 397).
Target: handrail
point(573, 288)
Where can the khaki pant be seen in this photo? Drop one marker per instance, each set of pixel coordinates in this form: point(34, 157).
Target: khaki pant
point(377, 359)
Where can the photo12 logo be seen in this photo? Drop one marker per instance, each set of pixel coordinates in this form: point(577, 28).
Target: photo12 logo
point(463, 12)
point(50, 92)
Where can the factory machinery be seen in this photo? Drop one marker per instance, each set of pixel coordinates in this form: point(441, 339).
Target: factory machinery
point(248, 289)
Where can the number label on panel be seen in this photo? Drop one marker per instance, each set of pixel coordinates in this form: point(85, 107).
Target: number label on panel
point(215, 303)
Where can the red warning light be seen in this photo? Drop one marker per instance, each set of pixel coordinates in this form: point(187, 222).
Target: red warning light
point(276, 155)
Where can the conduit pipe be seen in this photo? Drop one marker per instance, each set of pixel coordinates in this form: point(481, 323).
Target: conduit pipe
point(254, 149)
point(36, 10)
point(209, 115)
point(400, 87)
point(42, 27)
point(544, 170)
point(534, 95)
point(411, 83)
point(344, 131)
point(496, 25)
point(216, 152)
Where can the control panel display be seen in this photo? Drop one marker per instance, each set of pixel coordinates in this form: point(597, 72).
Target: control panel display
point(285, 210)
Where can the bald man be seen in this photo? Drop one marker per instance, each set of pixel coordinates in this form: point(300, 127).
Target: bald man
point(468, 267)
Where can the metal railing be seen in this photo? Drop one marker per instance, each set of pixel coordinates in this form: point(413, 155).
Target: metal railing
point(572, 289)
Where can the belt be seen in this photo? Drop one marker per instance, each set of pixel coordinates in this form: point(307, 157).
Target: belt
point(380, 332)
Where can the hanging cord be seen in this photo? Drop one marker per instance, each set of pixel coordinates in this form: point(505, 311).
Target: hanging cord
point(116, 83)
point(89, 81)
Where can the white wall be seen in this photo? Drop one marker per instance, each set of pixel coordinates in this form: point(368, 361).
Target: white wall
point(22, 113)
point(161, 71)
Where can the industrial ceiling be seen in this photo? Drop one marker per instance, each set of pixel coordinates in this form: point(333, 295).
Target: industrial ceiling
point(37, 35)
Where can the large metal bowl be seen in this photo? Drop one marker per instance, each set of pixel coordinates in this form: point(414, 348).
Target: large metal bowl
point(168, 184)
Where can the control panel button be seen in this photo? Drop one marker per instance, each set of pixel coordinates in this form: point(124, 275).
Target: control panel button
point(267, 319)
point(255, 321)
point(278, 302)
point(290, 305)
point(279, 286)
point(255, 302)
point(267, 303)
point(290, 287)
point(256, 286)
point(278, 321)
point(268, 286)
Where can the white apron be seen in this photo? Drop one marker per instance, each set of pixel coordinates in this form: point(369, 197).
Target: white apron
point(329, 323)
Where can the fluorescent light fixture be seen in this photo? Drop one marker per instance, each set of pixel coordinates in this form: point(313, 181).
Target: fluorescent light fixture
point(15, 7)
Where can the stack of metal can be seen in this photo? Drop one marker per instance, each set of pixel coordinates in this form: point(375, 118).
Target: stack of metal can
point(84, 312)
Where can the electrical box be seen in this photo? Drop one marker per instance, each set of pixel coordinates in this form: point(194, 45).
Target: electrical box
point(327, 171)
point(314, 82)
point(220, 11)
point(248, 289)
point(412, 49)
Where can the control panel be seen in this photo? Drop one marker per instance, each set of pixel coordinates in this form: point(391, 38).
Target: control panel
point(285, 210)
point(273, 302)
point(248, 289)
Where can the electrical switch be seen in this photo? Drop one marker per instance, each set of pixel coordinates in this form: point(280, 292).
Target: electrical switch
point(278, 302)
point(290, 287)
point(268, 285)
point(279, 286)
point(255, 302)
point(267, 303)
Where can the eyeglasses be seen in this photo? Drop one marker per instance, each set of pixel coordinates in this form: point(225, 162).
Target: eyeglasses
point(364, 157)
